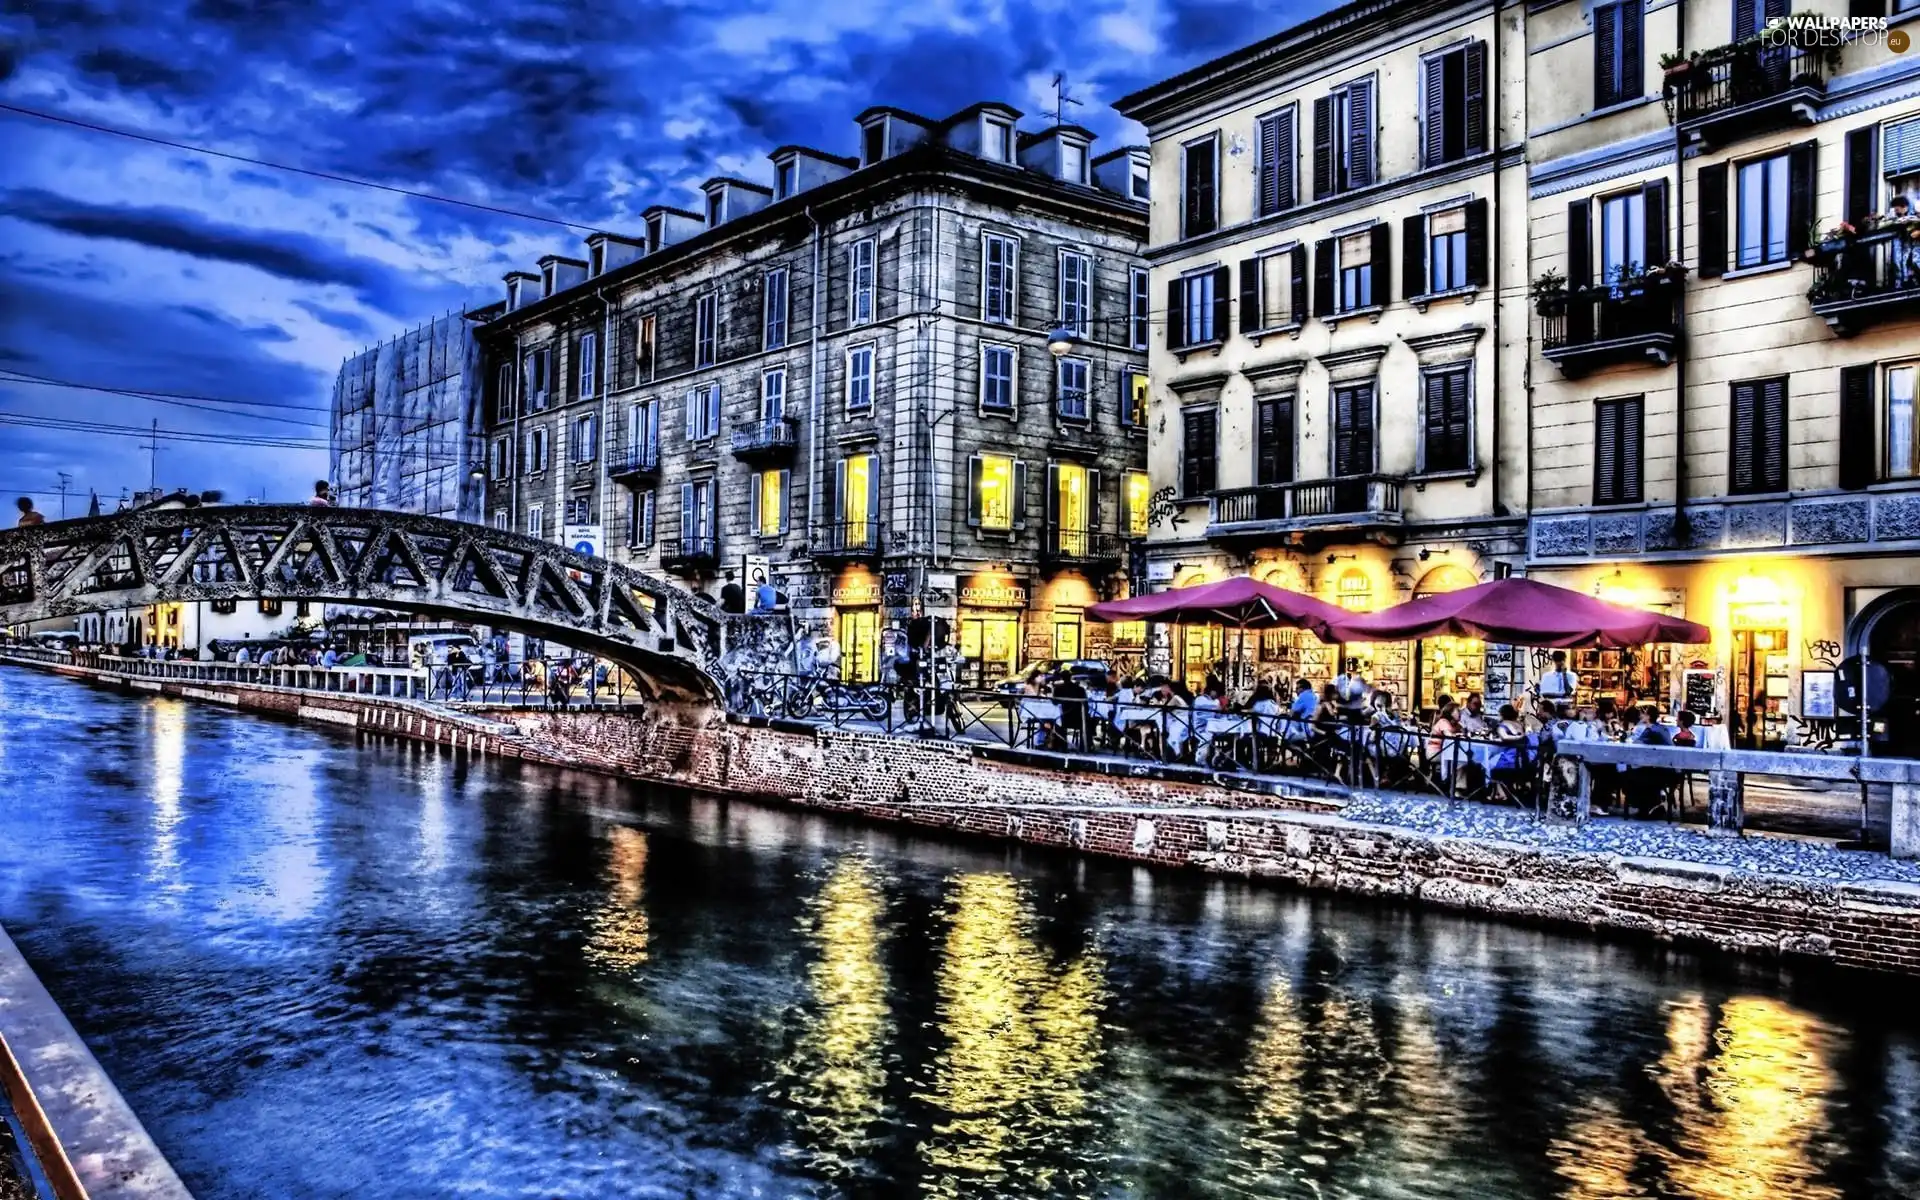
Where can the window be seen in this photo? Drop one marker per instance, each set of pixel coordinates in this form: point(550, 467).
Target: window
point(1071, 378)
point(1751, 16)
point(225, 607)
point(1356, 272)
point(1618, 71)
point(993, 497)
point(643, 348)
point(1199, 210)
point(1353, 426)
point(1139, 308)
point(1199, 307)
point(640, 509)
point(1273, 290)
point(1073, 505)
point(1761, 212)
point(703, 412)
point(583, 444)
point(997, 379)
point(716, 208)
point(860, 379)
point(1447, 251)
point(503, 392)
point(861, 281)
point(1448, 403)
point(1453, 113)
point(1617, 451)
point(768, 503)
point(1199, 450)
point(1902, 431)
point(536, 449)
point(502, 462)
point(1275, 179)
point(1274, 440)
point(1759, 441)
point(643, 432)
point(996, 140)
point(773, 394)
point(302, 608)
point(535, 371)
point(999, 278)
point(536, 521)
point(501, 520)
point(1623, 236)
point(1136, 491)
point(706, 330)
point(588, 350)
point(1142, 182)
point(697, 518)
point(1133, 398)
point(268, 608)
point(656, 232)
point(786, 179)
point(579, 509)
point(873, 142)
point(773, 325)
point(1073, 162)
point(857, 484)
point(1343, 137)
point(1076, 292)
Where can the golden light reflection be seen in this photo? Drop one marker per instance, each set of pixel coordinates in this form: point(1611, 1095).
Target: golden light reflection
point(1022, 1038)
point(1749, 1100)
point(617, 932)
point(1597, 1155)
point(168, 756)
point(836, 1077)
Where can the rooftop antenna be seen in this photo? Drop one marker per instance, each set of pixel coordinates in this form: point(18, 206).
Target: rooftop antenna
point(1061, 98)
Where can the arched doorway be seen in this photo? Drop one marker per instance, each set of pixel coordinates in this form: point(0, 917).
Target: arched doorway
point(1888, 630)
point(1446, 666)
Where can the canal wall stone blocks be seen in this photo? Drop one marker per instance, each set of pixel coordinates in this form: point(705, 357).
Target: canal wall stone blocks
point(1176, 819)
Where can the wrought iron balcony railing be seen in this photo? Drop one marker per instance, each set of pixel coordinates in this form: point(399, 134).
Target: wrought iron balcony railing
point(767, 441)
point(848, 541)
point(1082, 547)
point(690, 553)
point(1344, 502)
point(1765, 82)
point(1602, 325)
point(632, 464)
point(1867, 278)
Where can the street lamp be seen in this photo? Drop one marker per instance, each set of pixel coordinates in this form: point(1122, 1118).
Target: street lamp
point(1062, 341)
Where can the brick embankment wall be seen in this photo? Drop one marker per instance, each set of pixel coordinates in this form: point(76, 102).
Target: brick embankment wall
point(1171, 818)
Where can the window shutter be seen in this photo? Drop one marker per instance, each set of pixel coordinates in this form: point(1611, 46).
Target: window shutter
point(1773, 434)
point(1866, 8)
point(1277, 162)
point(1801, 178)
point(1019, 494)
point(1222, 299)
point(786, 499)
point(1297, 270)
point(1323, 147)
point(689, 518)
point(1343, 431)
point(1381, 257)
point(873, 498)
point(1606, 37)
point(693, 413)
point(1249, 295)
point(840, 492)
point(1712, 201)
point(1360, 134)
point(1459, 420)
point(1862, 188)
point(1323, 296)
point(1775, 8)
point(1859, 457)
point(1267, 450)
point(1093, 501)
point(1477, 132)
point(1434, 417)
point(650, 515)
point(1053, 500)
point(1744, 473)
point(1632, 69)
point(1606, 457)
point(1479, 257)
point(1413, 256)
point(1433, 111)
point(976, 474)
point(1631, 413)
point(1198, 215)
point(1176, 314)
point(1653, 204)
point(753, 502)
point(1579, 245)
point(1744, 19)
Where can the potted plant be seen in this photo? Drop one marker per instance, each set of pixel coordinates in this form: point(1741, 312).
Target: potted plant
point(1836, 237)
point(1549, 292)
point(1676, 64)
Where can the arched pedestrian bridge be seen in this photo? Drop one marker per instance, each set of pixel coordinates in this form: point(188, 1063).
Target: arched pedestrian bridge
point(668, 636)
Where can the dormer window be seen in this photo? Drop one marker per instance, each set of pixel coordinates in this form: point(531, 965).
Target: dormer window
point(1073, 162)
point(716, 208)
point(786, 179)
point(596, 259)
point(513, 293)
point(873, 142)
point(547, 275)
point(996, 140)
point(1140, 180)
point(655, 232)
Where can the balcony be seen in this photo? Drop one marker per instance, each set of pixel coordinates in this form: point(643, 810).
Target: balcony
point(1634, 321)
point(1346, 503)
point(848, 541)
point(770, 441)
point(634, 465)
point(1868, 278)
point(690, 554)
point(1083, 548)
point(1765, 83)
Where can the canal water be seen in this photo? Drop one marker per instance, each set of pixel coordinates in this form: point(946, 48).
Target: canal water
point(325, 969)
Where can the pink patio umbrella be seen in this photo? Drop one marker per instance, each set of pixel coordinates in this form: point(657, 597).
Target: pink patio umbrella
point(1238, 603)
point(1523, 612)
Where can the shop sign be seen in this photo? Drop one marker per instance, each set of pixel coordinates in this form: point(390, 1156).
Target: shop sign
point(994, 595)
point(856, 595)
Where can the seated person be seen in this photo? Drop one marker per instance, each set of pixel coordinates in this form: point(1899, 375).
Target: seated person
point(1072, 698)
point(1685, 735)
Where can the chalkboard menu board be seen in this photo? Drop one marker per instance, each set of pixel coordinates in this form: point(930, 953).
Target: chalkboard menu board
point(1698, 694)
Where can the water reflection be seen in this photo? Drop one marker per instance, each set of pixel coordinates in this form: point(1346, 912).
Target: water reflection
point(617, 933)
point(167, 737)
point(1021, 1039)
point(835, 1079)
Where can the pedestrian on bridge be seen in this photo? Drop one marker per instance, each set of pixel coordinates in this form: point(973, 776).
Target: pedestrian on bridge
point(28, 515)
point(322, 494)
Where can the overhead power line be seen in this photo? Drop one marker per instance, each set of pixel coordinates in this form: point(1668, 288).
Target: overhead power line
point(53, 381)
point(159, 399)
point(165, 435)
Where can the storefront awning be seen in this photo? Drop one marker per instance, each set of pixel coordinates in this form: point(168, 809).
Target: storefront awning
point(1238, 603)
point(1523, 612)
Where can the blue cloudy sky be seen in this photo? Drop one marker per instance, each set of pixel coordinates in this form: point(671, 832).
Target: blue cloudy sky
point(135, 266)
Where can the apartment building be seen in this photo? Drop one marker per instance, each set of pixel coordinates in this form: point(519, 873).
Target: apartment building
point(902, 383)
point(1726, 345)
point(1338, 268)
point(405, 429)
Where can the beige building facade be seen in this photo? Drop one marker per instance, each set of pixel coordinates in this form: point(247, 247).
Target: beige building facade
point(1338, 372)
point(1731, 437)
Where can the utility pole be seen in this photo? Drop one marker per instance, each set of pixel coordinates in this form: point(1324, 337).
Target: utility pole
point(153, 459)
point(65, 479)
